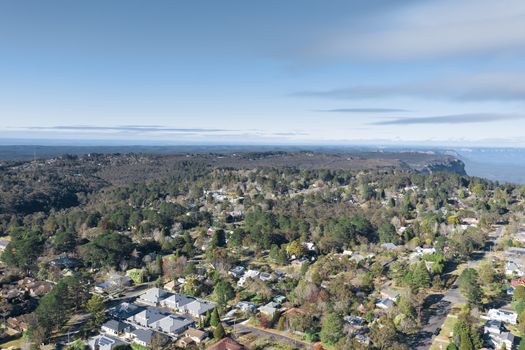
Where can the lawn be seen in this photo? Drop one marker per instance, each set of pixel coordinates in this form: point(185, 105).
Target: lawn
point(446, 330)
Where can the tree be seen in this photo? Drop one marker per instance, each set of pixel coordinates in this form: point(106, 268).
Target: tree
point(215, 319)
point(487, 274)
point(219, 332)
point(65, 241)
point(218, 239)
point(295, 248)
point(519, 293)
point(521, 322)
point(469, 286)
point(522, 344)
point(387, 233)
point(332, 329)
point(421, 276)
point(24, 249)
point(95, 306)
point(223, 292)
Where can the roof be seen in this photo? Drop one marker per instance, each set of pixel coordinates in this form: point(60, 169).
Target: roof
point(197, 333)
point(199, 307)
point(125, 310)
point(144, 335)
point(226, 344)
point(115, 325)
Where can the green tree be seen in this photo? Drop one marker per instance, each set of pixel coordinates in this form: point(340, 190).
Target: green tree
point(223, 292)
point(387, 233)
point(24, 249)
point(469, 286)
point(519, 293)
point(215, 318)
point(219, 332)
point(95, 307)
point(332, 329)
point(218, 239)
point(421, 276)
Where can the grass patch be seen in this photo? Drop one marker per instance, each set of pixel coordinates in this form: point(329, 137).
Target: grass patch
point(443, 338)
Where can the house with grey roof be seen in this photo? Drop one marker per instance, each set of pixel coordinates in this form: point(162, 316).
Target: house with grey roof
point(124, 310)
point(176, 301)
point(197, 308)
point(147, 317)
point(153, 296)
point(172, 324)
point(269, 309)
point(113, 327)
point(143, 336)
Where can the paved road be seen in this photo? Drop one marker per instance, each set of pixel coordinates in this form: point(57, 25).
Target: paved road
point(439, 306)
point(241, 329)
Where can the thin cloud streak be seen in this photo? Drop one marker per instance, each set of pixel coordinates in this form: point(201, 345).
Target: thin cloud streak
point(126, 128)
point(467, 118)
point(362, 110)
point(481, 87)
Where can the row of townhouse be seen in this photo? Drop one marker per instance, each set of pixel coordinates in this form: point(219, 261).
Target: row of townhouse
point(180, 303)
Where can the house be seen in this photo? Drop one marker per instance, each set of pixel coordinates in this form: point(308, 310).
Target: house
point(246, 306)
point(390, 294)
point(147, 317)
point(124, 310)
point(385, 303)
point(226, 344)
point(389, 246)
point(176, 301)
point(104, 342)
point(501, 315)
point(518, 282)
point(113, 327)
point(362, 339)
point(113, 284)
point(143, 336)
point(65, 263)
point(265, 276)
point(3, 244)
point(354, 320)
point(496, 340)
point(493, 326)
point(197, 308)
point(279, 299)
point(514, 268)
point(153, 296)
point(196, 335)
point(424, 251)
point(247, 274)
point(172, 324)
point(237, 271)
point(269, 309)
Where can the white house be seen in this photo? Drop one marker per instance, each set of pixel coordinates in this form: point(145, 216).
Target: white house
point(514, 268)
point(153, 296)
point(501, 315)
point(113, 327)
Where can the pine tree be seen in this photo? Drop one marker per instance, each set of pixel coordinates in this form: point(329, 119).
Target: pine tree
point(421, 276)
point(215, 319)
point(219, 332)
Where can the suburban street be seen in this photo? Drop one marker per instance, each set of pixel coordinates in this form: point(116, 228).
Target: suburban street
point(439, 305)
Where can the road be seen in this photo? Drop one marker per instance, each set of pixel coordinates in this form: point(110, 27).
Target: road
point(438, 306)
point(243, 328)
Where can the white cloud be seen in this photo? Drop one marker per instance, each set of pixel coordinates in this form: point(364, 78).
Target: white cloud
point(434, 29)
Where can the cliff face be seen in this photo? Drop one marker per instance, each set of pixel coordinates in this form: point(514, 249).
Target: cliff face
point(447, 164)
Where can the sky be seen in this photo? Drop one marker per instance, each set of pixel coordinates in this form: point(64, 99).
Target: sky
point(267, 72)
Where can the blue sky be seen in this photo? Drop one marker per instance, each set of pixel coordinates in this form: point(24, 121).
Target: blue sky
point(298, 71)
